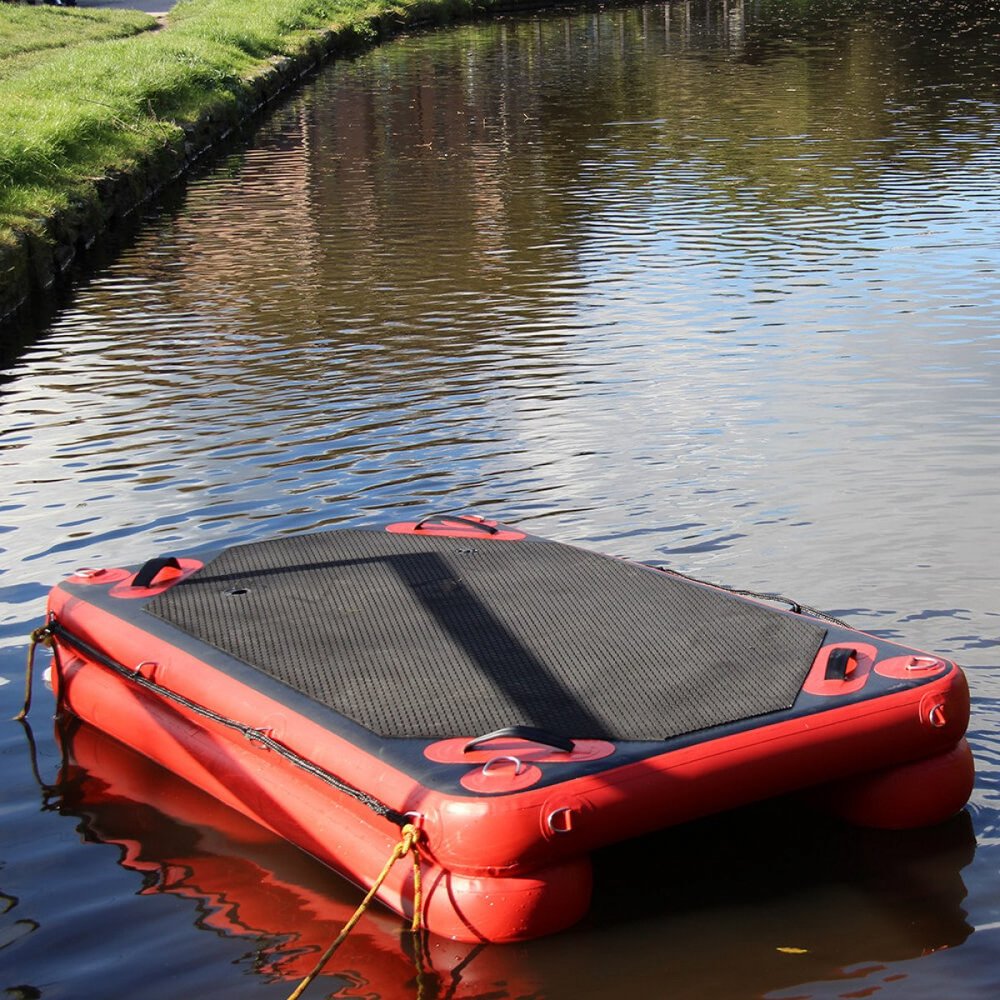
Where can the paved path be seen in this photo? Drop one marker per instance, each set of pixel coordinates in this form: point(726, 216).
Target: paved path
point(150, 6)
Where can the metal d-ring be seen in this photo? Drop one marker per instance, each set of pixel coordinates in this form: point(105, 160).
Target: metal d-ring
point(145, 663)
point(518, 766)
point(557, 812)
point(923, 663)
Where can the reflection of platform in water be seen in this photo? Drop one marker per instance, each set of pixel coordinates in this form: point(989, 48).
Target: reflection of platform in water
point(841, 900)
point(739, 892)
point(246, 882)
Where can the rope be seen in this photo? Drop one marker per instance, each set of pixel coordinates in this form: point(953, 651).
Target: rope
point(410, 834)
point(408, 845)
point(794, 606)
point(55, 629)
point(41, 635)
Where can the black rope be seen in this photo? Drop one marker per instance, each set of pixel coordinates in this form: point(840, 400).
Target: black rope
point(794, 606)
point(256, 735)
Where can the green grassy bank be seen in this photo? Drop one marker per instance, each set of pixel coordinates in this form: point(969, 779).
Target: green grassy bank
point(100, 108)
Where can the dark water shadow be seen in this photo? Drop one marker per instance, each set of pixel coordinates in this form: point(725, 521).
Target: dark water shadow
point(756, 901)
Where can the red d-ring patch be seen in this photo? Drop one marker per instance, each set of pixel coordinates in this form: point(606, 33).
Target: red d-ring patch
point(912, 667)
point(501, 774)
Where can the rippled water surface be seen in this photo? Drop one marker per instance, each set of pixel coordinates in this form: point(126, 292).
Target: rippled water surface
point(709, 284)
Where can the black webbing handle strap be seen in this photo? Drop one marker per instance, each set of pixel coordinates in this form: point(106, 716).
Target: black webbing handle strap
point(151, 569)
point(840, 664)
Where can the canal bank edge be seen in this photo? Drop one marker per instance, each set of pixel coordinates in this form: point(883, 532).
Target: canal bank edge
point(35, 260)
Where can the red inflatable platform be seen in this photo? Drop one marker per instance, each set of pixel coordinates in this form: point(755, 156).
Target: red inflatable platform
point(520, 701)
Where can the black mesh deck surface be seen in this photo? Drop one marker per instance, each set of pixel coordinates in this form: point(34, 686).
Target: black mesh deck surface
point(436, 637)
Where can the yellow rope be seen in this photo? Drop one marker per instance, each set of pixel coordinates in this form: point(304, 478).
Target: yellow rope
point(408, 845)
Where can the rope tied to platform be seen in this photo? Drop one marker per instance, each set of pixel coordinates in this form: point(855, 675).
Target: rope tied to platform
point(261, 737)
point(407, 845)
point(41, 636)
point(52, 630)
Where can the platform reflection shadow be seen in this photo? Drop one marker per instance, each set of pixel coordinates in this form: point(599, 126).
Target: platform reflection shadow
point(750, 903)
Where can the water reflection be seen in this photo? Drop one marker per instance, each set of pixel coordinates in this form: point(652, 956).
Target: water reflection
point(243, 882)
point(524, 178)
point(520, 261)
point(784, 896)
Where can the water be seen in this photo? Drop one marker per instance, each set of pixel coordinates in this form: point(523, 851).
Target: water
point(713, 285)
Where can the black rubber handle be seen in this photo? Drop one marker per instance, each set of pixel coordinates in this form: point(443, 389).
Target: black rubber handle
point(466, 522)
point(150, 570)
point(838, 664)
point(545, 738)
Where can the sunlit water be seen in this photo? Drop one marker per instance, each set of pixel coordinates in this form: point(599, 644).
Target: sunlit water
point(713, 285)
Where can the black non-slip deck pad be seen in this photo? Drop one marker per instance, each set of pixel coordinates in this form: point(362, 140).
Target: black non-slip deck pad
point(436, 637)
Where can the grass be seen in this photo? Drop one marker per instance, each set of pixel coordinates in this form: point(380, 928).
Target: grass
point(33, 29)
point(88, 93)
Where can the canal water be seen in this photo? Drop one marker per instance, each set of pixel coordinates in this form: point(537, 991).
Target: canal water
point(708, 284)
